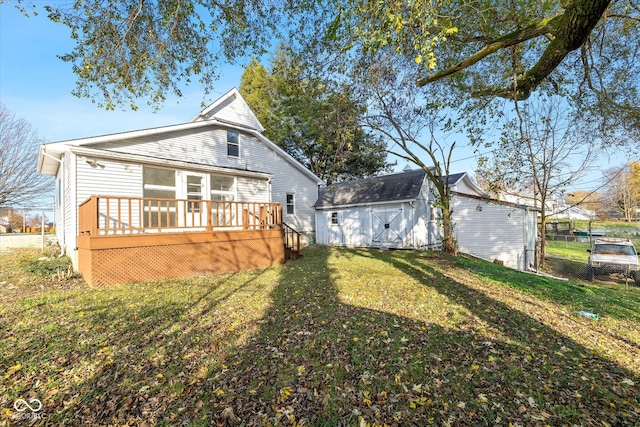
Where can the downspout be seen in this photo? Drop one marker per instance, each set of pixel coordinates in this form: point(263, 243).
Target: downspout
point(525, 230)
point(62, 204)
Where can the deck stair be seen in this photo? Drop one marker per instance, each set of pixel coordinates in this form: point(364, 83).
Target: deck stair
point(292, 243)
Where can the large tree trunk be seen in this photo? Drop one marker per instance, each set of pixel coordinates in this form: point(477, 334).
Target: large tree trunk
point(570, 30)
point(448, 241)
point(567, 32)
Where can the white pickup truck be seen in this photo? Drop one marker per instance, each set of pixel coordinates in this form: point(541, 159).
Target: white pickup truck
point(613, 255)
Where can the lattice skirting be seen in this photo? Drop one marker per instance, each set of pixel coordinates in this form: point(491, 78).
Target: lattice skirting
point(118, 265)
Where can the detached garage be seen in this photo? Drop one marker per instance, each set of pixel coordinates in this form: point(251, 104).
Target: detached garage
point(397, 211)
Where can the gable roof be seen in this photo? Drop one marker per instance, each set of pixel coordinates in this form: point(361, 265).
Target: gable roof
point(396, 187)
point(230, 100)
point(50, 154)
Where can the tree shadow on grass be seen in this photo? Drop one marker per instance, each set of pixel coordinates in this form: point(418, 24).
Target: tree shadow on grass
point(613, 300)
point(121, 354)
point(339, 337)
point(320, 360)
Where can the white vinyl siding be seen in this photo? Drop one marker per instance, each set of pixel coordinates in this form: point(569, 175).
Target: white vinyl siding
point(384, 225)
point(494, 231)
point(231, 110)
point(65, 214)
point(112, 178)
point(209, 147)
point(108, 178)
point(199, 146)
point(252, 190)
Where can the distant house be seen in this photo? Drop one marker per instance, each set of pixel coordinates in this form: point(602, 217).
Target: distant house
point(213, 175)
point(555, 209)
point(399, 211)
point(5, 219)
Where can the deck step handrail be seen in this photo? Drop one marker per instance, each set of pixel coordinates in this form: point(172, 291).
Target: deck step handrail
point(106, 215)
point(292, 240)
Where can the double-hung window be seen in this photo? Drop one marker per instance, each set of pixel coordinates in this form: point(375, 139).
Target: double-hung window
point(290, 204)
point(233, 144)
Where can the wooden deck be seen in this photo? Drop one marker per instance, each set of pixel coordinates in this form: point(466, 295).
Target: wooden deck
point(125, 240)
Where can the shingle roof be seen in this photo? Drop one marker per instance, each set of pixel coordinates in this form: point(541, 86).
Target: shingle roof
point(398, 186)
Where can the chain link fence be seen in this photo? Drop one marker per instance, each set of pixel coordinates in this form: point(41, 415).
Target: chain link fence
point(567, 253)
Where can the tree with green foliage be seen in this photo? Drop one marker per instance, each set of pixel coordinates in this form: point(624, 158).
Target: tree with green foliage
point(475, 52)
point(136, 49)
point(314, 120)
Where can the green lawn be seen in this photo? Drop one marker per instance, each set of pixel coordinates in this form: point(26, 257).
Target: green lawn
point(339, 337)
point(576, 251)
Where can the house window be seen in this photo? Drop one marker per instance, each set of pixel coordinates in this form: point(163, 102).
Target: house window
point(290, 204)
point(159, 184)
point(334, 218)
point(233, 144)
point(223, 187)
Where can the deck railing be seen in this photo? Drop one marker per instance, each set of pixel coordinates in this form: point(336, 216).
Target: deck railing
point(107, 215)
point(292, 239)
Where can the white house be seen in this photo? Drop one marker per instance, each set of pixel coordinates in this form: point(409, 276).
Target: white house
point(555, 209)
point(398, 211)
point(220, 154)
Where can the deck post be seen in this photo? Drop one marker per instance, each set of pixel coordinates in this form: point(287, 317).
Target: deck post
point(95, 215)
point(209, 206)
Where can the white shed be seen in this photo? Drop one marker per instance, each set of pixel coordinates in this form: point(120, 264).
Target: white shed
point(386, 211)
point(397, 211)
point(495, 230)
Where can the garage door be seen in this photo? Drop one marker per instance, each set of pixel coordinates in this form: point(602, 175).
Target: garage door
point(386, 225)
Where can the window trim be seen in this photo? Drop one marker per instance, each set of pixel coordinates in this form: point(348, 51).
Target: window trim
point(235, 144)
point(233, 193)
point(292, 204)
point(334, 220)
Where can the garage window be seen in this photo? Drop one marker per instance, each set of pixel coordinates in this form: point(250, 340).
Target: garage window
point(334, 218)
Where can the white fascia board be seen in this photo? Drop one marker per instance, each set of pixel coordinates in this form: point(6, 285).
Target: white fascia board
point(202, 114)
point(496, 201)
point(132, 134)
point(232, 93)
point(362, 205)
point(61, 145)
point(136, 158)
point(48, 160)
point(472, 184)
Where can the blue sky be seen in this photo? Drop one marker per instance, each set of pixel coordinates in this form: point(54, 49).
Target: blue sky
point(36, 86)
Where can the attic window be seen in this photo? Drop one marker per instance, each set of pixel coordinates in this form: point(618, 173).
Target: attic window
point(233, 144)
